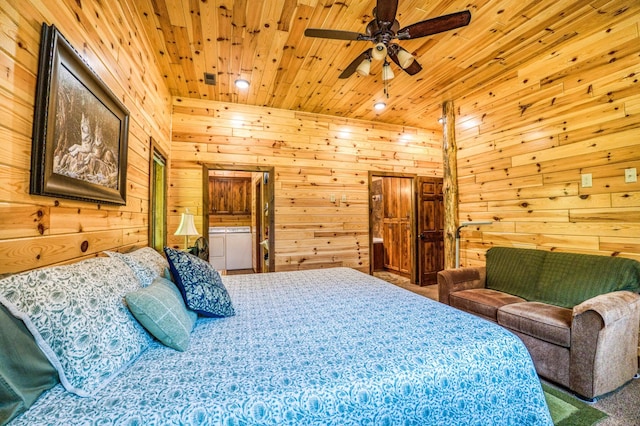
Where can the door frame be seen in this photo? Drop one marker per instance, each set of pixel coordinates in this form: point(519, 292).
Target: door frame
point(259, 216)
point(270, 186)
point(413, 247)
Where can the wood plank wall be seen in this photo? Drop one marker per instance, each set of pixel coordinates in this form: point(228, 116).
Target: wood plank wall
point(37, 231)
point(524, 142)
point(314, 156)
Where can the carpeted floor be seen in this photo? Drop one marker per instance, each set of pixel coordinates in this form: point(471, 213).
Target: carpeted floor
point(569, 411)
point(622, 406)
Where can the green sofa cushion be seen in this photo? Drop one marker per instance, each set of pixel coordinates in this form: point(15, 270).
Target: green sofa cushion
point(514, 270)
point(568, 279)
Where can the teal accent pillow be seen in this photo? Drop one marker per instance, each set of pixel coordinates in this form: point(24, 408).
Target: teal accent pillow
point(200, 284)
point(514, 270)
point(24, 370)
point(161, 310)
point(568, 279)
point(77, 317)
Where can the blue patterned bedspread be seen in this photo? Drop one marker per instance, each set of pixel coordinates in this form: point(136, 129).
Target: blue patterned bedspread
point(321, 347)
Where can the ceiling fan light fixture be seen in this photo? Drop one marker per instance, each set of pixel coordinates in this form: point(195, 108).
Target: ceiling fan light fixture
point(387, 72)
point(242, 84)
point(379, 52)
point(405, 58)
point(379, 106)
point(364, 68)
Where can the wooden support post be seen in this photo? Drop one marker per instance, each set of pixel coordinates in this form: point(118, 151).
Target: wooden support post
point(450, 183)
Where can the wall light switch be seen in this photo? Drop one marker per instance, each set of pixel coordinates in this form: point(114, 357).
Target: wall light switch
point(332, 198)
point(586, 180)
point(630, 175)
point(344, 198)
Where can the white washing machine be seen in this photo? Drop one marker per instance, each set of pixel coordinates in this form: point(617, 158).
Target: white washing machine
point(217, 249)
point(238, 247)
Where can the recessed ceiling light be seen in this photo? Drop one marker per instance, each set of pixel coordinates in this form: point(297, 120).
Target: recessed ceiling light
point(379, 106)
point(242, 84)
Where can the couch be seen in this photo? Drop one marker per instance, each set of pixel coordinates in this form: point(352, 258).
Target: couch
point(577, 314)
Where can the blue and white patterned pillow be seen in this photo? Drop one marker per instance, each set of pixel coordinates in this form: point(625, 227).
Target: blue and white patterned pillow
point(78, 318)
point(146, 263)
point(200, 284)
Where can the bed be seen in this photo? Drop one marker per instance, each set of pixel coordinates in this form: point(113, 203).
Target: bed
point(318, 347)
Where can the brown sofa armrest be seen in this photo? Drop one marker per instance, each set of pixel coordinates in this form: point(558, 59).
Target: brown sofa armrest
point(604, 342)
point(610, 306)
point(452, 280)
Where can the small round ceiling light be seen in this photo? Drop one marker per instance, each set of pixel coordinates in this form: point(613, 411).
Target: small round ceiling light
point(242, 84)
point(379, 106)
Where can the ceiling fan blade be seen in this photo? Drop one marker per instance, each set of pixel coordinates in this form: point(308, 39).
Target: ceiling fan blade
point(386, 10)
point(334, 34)
point(354, 64)
point(412, 69)
point(435, 25)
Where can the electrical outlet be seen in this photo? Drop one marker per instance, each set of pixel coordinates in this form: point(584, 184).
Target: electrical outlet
point(586, 180)
point(344, 198)
point(630, 175)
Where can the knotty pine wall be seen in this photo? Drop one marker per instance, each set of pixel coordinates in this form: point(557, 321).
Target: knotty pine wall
point(314, 157)
point(38, 231)
point(525, 140)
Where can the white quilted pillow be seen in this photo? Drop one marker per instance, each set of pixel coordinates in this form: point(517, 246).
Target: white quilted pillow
point(78, 318)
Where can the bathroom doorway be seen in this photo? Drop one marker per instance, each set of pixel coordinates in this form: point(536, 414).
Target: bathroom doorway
point(392, 224)
point(406, 223)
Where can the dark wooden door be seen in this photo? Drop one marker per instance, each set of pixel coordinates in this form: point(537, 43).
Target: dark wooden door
point(430, 229)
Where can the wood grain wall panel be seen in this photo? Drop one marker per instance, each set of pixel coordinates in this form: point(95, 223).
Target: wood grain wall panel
point(571, 109)
point(318, 160)
point(38, 231)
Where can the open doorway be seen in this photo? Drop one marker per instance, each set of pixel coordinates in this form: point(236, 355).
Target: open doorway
point(392, 224)
point(406, 223)
point(238, 217)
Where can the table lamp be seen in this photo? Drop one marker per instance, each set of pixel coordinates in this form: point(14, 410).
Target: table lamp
point(187, 227)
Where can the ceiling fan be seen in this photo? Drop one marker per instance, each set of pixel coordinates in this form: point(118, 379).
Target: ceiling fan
point(383, 30)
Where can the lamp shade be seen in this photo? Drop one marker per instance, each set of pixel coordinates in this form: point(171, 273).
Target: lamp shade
point(387, 72)
point(187, 226)
point(364, 67)
point(404, 58)
point(379, 52)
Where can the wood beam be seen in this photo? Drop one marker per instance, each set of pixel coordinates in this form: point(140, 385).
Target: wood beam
point(450, 183)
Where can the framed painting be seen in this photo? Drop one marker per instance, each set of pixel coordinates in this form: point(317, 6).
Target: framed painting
point(80, 129)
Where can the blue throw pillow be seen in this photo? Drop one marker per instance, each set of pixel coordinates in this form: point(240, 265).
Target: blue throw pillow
point(200, 284)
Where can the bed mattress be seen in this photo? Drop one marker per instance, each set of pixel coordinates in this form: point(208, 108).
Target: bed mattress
point(320, 347)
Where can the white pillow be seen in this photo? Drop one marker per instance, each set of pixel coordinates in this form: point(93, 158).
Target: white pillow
point(78, 318)
point(146, 263)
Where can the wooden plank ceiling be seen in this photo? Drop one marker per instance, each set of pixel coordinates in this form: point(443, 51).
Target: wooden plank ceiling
point(263, 42)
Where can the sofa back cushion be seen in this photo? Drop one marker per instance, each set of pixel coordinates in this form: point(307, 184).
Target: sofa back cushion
point(568, 279)
point(514, 270)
